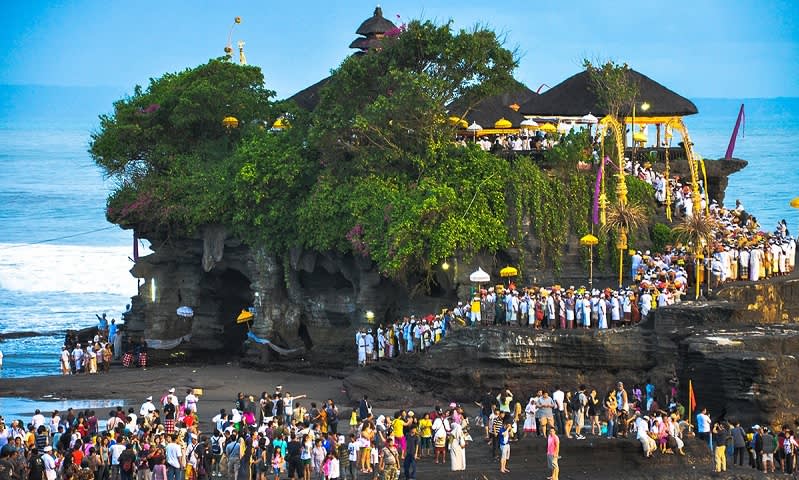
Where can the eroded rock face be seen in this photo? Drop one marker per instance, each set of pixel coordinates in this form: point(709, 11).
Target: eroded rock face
point(741, 364)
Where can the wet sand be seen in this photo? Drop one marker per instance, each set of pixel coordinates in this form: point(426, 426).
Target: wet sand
point(220, 384)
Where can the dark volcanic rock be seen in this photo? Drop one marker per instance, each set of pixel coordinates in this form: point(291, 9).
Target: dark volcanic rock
point(741, 365)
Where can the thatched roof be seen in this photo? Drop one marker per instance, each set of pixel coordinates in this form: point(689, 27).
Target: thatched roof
point(376, 24)
point(308, 98)
point(490, 109)
point(575, 97)
point(364, 43)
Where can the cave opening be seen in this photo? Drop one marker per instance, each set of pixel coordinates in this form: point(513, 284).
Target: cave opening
point(229, 291)
point(304, 334)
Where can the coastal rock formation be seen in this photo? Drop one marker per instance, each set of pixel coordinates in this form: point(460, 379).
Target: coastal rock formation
point(740, 360)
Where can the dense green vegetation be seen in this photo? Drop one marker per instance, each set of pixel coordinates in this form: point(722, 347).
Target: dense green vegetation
point(373, 171)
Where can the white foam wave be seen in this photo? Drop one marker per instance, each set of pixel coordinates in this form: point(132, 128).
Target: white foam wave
point(66, 268)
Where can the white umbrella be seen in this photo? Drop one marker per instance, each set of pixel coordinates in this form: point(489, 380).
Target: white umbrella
point(589, 119)
point(474, 128)
point(185, 311)
point(479, 276)
point(528, 123)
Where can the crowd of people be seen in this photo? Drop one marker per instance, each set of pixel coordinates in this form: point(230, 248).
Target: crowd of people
point(277, 436)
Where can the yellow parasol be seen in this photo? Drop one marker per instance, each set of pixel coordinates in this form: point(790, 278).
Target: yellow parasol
point(548, 128)
point(244, 316)
point(508, 272)
point(280, 124)
point(230, 122)
point(503, 123)
point(795, 202)
point(589, 240)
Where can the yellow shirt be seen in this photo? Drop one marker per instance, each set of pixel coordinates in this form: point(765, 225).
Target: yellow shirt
point(476, 306)
point(396, 427)
point(426, 427)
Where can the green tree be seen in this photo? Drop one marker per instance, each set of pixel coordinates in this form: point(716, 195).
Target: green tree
point(613, 86)
point(168, 150)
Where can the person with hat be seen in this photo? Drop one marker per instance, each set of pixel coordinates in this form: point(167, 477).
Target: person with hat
point(147, 407)
point(648, 444)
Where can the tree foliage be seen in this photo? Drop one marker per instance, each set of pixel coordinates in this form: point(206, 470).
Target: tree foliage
point(613, 86)
point(372, 172)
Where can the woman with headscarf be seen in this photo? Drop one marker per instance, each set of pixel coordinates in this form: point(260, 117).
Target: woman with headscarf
point(529, 419)
point(457, 448)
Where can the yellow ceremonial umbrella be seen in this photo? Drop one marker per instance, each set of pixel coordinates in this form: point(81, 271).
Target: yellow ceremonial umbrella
point(589, 241)
point(548, 128)
point(230, 122)
point(280, 123)
point(508, 272)
point(795, 202)
point(639, 137)
point(503, 123)
point(244, 316)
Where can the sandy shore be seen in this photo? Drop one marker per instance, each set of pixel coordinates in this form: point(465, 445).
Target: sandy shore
point(220, 384)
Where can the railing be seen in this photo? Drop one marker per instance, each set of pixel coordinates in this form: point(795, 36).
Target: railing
point(655, 154)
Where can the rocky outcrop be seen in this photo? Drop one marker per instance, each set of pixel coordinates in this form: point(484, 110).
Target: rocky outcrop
point(741, 361)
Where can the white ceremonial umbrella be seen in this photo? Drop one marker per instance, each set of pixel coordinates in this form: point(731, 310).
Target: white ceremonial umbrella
point(590, 119)
point(479, 276)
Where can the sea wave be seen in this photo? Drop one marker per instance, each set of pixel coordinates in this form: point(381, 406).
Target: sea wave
point(66, 268)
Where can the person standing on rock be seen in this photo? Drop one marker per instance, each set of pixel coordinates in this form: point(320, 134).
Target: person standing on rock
point(360, 344)
point(558, 396)
point(703, 425)
point(553, 454)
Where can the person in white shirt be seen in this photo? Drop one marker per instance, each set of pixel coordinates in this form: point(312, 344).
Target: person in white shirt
point(115, 451)
point(147, 407)
point(49, 463)
point(38, 419)
point(558, 396)
point(77, 356)
point(66, 367)
point(647, 443)
point(190, 403)
point(174, 456)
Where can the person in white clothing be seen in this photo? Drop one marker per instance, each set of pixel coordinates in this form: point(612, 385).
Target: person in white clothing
point(147, 407)
point(190, 402)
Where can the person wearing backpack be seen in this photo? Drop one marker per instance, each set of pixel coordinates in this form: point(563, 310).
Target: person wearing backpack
point(578, 407)
point(216, 453)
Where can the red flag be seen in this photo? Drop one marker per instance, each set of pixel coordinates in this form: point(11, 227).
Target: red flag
point(691, 397)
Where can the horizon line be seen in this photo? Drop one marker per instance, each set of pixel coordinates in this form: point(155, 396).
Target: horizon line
point(126, 89)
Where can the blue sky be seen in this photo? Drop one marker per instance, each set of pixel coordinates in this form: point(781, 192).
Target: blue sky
point(699, 48)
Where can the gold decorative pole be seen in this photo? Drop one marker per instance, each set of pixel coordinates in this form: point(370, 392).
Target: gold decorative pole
point(621, 196)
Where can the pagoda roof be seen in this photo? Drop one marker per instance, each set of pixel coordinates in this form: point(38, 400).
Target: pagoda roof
point(376, 24)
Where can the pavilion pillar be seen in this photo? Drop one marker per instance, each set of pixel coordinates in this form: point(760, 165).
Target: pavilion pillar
point(658, 136)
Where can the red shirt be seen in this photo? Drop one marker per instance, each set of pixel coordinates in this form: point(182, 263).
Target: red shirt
point(77, 457)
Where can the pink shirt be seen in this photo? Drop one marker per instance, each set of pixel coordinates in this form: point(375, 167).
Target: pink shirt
point(552, 444)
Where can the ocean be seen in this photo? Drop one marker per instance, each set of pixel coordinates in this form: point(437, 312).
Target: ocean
point(61, 262)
